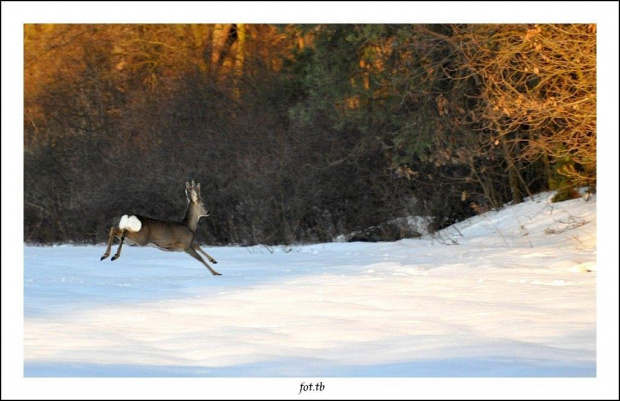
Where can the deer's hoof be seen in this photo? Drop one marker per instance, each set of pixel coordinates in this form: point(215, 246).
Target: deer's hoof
point(114, 258)
point(217, 274)
point(103, 257)
point(214, 262)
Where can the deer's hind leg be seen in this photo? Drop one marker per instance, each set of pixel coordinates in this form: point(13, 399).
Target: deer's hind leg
point(199, 249)
point(120, 246)
point(192, 252)
point(114, 232)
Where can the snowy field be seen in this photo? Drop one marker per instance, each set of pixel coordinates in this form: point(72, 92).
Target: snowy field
point(507, 293)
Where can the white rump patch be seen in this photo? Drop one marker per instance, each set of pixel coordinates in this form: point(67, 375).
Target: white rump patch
point(130, 223)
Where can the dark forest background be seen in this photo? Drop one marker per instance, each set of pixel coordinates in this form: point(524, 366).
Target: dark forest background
point(300, 133)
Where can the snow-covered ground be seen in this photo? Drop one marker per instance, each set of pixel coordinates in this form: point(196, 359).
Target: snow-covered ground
point(507, 293)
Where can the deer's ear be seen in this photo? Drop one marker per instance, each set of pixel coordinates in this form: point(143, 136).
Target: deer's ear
point(198, 188)
point(194, 195)
point(188, 186)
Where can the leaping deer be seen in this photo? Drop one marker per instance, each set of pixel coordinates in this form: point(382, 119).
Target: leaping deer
point(165, 235)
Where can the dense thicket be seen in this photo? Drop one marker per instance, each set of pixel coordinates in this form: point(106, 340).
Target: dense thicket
point(300, 133)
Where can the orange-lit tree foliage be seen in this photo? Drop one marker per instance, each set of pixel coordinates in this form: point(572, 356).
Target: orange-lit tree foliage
point(301, 132)
point(539, 94)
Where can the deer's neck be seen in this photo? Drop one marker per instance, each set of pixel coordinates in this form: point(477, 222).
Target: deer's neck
point(191, 217)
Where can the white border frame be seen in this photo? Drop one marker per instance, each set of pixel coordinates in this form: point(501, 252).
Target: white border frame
point(15, 14)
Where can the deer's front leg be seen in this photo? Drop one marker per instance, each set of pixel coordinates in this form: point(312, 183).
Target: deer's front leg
point(114, 232)
point(199, 249)
point(192, 252)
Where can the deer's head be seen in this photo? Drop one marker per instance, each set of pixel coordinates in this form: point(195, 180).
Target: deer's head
point(194, 199)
